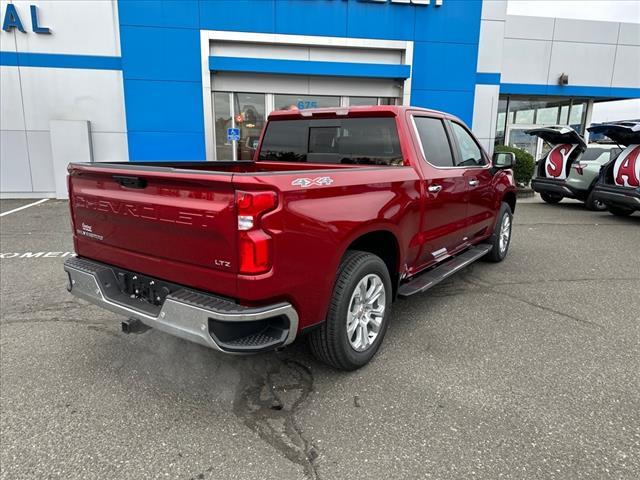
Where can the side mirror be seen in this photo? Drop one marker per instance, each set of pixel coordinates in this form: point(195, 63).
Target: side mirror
point(504, 160)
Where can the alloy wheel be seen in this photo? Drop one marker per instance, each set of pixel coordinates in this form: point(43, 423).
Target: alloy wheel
point(366, 311)
point(505, 233)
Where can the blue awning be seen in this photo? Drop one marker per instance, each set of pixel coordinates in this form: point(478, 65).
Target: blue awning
point(308, 67)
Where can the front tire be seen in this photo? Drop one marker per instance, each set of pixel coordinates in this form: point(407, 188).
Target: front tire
point(551, 198)
point(501, 238)
point(620, 211)
point(358, 314)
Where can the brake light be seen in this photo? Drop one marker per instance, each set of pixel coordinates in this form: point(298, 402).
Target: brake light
point(579, 167)
point(255, 252)
point(254, 244)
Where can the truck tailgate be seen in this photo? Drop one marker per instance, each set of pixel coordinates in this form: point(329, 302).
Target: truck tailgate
point(171, 224)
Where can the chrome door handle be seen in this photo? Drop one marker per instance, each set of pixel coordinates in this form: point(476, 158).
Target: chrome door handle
point(434, 188)
point(473, 182)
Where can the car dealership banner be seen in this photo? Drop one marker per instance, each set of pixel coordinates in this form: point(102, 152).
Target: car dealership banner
point(626, 170)
point(556, 162)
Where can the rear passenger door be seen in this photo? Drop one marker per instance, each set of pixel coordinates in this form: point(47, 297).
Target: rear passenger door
point(444, 209)
point(472, 160)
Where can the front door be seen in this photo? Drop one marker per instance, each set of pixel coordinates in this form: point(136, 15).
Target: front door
point(444, 211)
point(478, 177)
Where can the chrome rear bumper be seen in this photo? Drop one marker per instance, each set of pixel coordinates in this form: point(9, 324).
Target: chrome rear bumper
point(189, 314)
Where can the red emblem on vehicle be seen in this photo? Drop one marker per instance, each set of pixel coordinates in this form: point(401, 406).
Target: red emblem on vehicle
point(626, 170)
point(557, 160)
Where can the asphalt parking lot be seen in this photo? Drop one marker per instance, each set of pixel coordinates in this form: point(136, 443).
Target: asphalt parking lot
point(528, 369)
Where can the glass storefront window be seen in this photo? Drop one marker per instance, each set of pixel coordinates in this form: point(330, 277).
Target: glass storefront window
point(537, 111)
point(365, 101)
point(523, 111)
point(576, 116)
point(362, 101)
point(519, 139)
point(516, 110)
point(301, 102)
point(501, 120)
point(524, 115)
point(547, 116)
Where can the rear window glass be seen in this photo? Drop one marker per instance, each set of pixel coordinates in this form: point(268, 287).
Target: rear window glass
point(435, 142)
point(367, 141)
point(600, 154)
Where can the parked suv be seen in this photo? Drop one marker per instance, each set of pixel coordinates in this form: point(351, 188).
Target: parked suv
point(341, 211)
point(618, 185)
point(571, 168)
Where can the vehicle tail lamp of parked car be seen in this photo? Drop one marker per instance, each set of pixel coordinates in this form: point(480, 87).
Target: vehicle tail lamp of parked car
point(254, 243)
point(579, 167)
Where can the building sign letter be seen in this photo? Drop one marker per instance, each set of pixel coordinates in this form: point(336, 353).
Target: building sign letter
point(34, 21)
point(12, 20)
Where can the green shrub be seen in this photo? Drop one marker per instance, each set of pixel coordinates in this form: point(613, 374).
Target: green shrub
point(525, 164)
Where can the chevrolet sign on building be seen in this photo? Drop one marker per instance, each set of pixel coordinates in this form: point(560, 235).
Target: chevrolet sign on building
point(139, 80)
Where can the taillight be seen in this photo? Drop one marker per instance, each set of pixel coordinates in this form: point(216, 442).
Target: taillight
point(254, 243)
point(579, 167)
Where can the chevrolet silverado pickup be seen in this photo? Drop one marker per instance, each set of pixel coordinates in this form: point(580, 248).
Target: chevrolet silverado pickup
point(340, 212)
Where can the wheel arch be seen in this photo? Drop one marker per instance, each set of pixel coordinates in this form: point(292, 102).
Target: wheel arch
point(384, 244)
point(510, 199)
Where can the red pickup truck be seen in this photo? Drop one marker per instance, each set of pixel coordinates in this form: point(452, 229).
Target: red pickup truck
point(341, 212)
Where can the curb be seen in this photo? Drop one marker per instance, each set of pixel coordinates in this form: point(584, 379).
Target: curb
point(525, 193)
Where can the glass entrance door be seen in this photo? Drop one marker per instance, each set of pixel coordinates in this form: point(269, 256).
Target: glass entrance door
point(238, 120)
point(249, 109)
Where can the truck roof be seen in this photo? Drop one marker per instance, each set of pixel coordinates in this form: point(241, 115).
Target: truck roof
point(376, 110)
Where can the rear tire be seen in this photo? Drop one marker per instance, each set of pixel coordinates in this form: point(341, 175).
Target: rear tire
point(501, 238)
point(354, 329)
point(593, 204)
point(620, 211)
point(551, 198)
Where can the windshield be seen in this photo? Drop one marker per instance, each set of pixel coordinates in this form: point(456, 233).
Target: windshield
point(369, 141)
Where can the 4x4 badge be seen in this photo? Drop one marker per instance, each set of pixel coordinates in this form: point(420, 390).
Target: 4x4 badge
point(308, 182)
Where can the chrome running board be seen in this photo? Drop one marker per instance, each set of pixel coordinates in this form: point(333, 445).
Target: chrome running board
point(424, 281)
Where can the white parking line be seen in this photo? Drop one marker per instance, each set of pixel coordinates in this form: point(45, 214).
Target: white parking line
point(23, 207)
point(9, 255)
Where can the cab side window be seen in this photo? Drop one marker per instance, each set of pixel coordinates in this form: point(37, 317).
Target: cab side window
point(434, 140)
point(470, 152)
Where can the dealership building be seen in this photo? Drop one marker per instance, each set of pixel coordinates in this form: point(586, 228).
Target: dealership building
point(140, 80)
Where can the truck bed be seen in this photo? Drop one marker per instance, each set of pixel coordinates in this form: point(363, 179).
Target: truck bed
point(178, 222)
point(246, 166)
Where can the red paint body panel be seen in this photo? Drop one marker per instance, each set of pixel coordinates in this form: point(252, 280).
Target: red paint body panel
point(182, 225)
